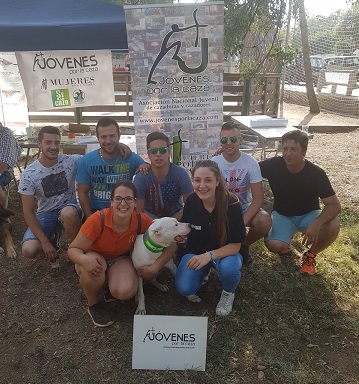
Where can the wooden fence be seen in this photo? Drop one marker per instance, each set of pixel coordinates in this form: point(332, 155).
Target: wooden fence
point(250, 97)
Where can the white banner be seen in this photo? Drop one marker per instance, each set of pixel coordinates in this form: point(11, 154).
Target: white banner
point(66, 79)
point(176, 61)
point(169, 342)
point(13, 108)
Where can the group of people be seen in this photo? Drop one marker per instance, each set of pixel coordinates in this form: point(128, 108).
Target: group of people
point(120, 194)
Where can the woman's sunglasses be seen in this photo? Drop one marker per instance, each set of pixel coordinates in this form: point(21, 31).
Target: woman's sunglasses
point(233, 139)
point(154, 151)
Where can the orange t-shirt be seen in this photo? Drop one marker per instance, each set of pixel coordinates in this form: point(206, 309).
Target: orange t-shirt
point(109, 244)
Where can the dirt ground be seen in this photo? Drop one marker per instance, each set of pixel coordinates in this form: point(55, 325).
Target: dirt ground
point(45, 333)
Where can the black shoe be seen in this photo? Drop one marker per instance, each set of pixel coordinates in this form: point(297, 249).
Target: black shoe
point(99, 315)
point(247, 258)
point(56, 240)
point(107, 297)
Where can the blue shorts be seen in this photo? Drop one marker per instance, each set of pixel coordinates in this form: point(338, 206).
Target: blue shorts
point(5, 179)
point(50, 222)
point(284, 227)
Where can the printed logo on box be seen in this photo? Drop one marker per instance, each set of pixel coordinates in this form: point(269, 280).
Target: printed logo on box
point(60, 98)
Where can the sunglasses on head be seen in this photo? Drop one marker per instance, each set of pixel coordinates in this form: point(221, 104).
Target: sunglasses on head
point(154, 151)
point(233, 139)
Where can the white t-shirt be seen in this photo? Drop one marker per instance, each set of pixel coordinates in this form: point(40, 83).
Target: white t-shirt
point(239, 175)
point(53, 187)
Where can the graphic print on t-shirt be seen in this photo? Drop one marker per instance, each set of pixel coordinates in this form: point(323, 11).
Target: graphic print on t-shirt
point(236, 183)
point(162, 199)
point(55, 184)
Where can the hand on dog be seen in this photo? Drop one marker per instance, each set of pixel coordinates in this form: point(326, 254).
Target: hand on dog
point(146, 272)
point(198, 261)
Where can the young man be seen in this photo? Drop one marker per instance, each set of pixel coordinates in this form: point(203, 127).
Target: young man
point(49, 183)
point(165, 189)
point(10, 151)
point(297, 185)
point(99, 170)
point(243, 177)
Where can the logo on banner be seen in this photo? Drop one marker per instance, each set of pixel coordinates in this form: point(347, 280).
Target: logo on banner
point(60, 98)
point(165, 48)
point(79, 96)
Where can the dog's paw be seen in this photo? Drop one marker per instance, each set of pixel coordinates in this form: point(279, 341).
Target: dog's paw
point(194, 298)
point(163, 287)
point(140, 311)
point(2, 250)
point(12, 254)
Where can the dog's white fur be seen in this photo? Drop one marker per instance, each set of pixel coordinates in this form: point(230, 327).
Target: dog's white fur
point(162, 232)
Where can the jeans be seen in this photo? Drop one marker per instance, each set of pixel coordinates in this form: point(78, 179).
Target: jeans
point(189, 281)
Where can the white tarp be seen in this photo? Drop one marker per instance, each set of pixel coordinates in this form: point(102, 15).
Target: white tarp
point(13, 108)
point(66, 79)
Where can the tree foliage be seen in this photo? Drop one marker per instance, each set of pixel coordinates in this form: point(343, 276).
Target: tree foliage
point(249, 16)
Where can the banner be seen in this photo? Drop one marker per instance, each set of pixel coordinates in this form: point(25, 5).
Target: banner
point(169, 342)
point(66, 79)
point(13, 108)
point(176, 61)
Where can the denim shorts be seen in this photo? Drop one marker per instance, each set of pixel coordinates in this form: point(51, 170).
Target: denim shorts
point(111, 262)
point(284, 227)
point(50, 222)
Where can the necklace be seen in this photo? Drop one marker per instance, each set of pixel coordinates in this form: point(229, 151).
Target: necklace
point(105, 161)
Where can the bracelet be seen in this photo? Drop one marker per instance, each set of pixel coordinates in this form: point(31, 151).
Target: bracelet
point(153, 271)
point(213, 257)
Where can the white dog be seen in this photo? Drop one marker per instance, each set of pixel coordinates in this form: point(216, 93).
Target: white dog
point(148, 247)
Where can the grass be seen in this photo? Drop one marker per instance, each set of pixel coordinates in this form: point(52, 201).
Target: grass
point(302, 329)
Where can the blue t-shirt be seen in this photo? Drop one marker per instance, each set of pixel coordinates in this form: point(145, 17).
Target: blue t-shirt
point(101, 174)
point(164, 198)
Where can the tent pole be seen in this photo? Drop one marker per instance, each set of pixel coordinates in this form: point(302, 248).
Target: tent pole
point(78, 115)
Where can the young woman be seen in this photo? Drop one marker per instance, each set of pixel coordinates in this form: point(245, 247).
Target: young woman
point(101, 252)
point(217, 230)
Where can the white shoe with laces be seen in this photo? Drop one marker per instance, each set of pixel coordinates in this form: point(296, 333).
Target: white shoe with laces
point(225, 304)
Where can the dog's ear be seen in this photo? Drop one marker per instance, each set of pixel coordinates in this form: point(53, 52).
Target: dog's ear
point(156, 227)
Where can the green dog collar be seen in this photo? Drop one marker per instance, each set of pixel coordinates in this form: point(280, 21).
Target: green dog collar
point(150, 245)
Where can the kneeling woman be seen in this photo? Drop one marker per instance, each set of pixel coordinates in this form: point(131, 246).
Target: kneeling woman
point(101, 251)
point(217, 229)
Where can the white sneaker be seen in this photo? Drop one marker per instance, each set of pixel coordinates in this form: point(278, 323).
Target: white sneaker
point(225, 304)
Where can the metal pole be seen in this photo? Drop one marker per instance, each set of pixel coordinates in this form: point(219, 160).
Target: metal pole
point(285, 49)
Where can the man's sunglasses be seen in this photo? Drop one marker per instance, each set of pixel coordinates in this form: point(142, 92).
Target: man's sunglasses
point(233, 139)
point(154, 151)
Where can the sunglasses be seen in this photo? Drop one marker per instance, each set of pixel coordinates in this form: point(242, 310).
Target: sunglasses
point(128, 199)
point(233, 139)
point(154, 151)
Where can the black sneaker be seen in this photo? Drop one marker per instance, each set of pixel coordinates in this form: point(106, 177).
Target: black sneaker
point(56, 240)
point(99, 315)
point(247, 258)
point(107, 297)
